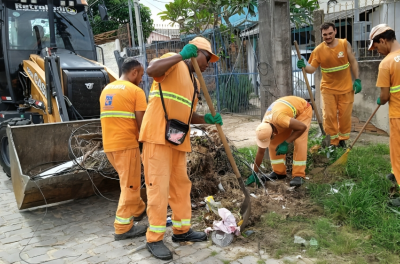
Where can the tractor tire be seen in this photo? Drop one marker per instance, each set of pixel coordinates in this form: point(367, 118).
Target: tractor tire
point(4, 149)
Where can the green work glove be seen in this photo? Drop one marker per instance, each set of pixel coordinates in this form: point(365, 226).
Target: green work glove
point(252, 178)
point(301, 64)
point(217, 119)
point(282, 148)
point(188, 51)
point(379, 101)
point(357, 86)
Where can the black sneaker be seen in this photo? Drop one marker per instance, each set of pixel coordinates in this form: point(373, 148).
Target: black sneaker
point(191, 235)
point(297, 181)
point(342, 143)
point(135, 231)
point(272, 176)
point(391, 177)
point(140, 217)
point(159, 250)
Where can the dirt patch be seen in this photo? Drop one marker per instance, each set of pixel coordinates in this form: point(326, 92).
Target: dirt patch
point(242, 131)
point(279, 198)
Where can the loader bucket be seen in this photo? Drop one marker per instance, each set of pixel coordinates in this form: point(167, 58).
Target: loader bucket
point(39, 146)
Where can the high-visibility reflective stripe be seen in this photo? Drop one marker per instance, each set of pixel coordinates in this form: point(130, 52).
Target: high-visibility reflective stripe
point(123, 221)
point(344, 135)
point(278, 161)
point(157, 229)
point(395, 89)
point(172, 96)
point(299, 162)
point(122, 114)
point(176, 223)
point(185, 222)
point(335, 69)
point(291, 107)
point(392, 171)
point(335, 136)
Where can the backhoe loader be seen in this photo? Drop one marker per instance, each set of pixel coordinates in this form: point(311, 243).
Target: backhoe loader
point(50, 84)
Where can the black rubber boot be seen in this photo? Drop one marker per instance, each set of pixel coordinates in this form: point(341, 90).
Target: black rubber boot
point(297, 181)
point(140, 217)
point(135, 231)
point(272, 176)
point(391, 177)
point(191, 235)
point(342, 143)
point(159, 250)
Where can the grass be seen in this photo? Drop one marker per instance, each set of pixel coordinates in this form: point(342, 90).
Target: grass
point(358, 223)
point(213, 253)
point(362, 200)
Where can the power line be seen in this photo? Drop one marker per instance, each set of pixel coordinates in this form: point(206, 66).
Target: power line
point(154, 6)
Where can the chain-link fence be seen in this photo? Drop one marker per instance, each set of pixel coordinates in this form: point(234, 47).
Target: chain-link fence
point(232, 82)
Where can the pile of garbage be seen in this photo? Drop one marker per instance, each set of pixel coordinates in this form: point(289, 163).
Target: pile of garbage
point(208, 165)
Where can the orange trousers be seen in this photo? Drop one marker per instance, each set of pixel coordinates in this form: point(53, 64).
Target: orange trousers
point(336, 112)
point(127, 165)
point(167, 182)
point(300, 148)
point(395, 147)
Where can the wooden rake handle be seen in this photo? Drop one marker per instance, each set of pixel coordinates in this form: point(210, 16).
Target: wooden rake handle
point(310, 92)
point(212, 110)
point(362, 129)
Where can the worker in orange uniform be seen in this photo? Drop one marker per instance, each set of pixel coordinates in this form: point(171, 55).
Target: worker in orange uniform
point(123, 105)
point(336, 59)
point(166, 139)
point(287, 120)
point(383, 39)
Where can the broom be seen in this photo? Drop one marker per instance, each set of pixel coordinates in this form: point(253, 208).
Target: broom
point(343, 159)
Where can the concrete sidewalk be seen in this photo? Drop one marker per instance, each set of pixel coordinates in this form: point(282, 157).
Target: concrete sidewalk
point(81, 231)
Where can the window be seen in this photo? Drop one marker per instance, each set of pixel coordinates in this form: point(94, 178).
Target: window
point(29, 29)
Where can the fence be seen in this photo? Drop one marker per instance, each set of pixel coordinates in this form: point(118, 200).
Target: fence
point(232, 82)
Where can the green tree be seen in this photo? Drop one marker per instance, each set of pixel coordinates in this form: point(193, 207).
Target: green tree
point(301, 11)
point(195, 16)
point(118, 14)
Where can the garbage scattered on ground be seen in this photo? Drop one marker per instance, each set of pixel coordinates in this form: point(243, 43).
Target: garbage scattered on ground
point(169, 221)
point(313, 242)
point(253, 195)
point(212, 205)
point(221, 239)
point(248, 233)
point(300, 240)
point(228, 223)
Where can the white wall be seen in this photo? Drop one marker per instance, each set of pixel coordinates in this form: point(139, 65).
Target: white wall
point(109, 58)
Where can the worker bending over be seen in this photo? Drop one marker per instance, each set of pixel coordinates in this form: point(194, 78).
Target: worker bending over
point(287, 120)
point(336, 59)
point(122, 105)
point(383, 39)
point(166, 139)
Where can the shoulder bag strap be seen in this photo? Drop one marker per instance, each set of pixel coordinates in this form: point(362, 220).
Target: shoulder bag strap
point(162, 101)
point(194, 94)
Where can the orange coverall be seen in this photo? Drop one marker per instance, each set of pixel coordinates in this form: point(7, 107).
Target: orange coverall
point(336, 89)
point(388, 76)
point(118, 103)
point(164, 164)
point(279, 114)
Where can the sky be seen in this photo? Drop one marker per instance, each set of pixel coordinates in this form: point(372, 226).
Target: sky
point(156, 6)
